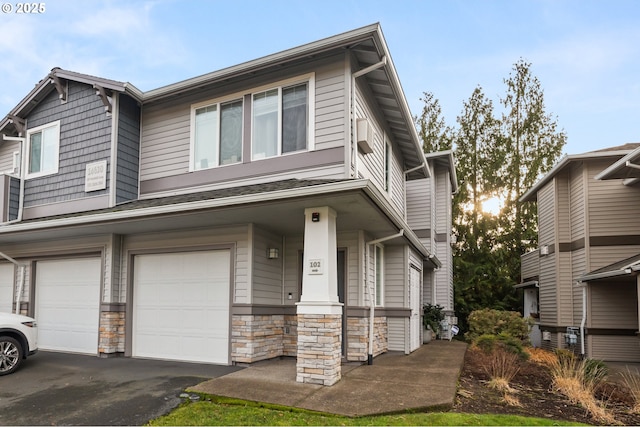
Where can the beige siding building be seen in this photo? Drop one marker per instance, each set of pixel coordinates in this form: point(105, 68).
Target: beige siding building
point(588, 228)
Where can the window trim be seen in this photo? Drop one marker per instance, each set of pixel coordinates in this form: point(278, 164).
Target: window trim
point(388, 164)
point(218, 102)
point(379, 296)
point(309, 79)
point(37, 129)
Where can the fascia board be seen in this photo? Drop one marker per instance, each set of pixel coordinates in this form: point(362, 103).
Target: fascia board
point(447, 156)
point(630, 157)
point(530, 195)
point(182, 207)
point(316, 47)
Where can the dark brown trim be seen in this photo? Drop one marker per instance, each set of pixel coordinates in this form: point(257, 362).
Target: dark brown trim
point(423, 233)
point(379, 312)
point(530, 279)
point(617, 332)
point(576, 245)
point(113, 307)
point(262, 310)
point(253, 169)
point(631, 239)
point(441, 237)
point(591, 331)
point(564, 247)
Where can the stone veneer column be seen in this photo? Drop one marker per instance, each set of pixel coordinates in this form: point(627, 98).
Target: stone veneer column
point(319, 310)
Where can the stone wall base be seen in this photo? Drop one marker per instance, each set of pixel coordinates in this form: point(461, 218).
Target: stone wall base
point(112, 332)
point(319, 343)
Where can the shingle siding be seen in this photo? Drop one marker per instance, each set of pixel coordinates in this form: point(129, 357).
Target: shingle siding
point(85, 137)
point(128, 159)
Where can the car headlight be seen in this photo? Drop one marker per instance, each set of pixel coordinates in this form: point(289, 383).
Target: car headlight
point(30, 324)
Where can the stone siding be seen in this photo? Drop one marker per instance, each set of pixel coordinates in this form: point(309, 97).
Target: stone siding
point(112, 332)
point(255, 338)
point(319, 355)
point(358, 338)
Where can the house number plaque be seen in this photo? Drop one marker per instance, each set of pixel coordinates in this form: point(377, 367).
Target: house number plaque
point(95, 177)
point(316, 266)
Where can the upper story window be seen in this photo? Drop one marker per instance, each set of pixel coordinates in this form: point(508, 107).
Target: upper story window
point(280, 123)
point(217, 134)
point(281, 118)
point(43, 150)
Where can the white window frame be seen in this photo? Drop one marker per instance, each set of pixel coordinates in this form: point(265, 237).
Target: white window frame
point(379, 293)
point(38, 129)
point(218, 102)
point(309, 79)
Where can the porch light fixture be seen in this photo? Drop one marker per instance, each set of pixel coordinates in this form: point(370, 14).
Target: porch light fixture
point(272, 253)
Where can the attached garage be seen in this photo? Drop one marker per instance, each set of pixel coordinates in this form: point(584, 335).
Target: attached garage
point(181, 306)
point(67, 305)
point(6, 287)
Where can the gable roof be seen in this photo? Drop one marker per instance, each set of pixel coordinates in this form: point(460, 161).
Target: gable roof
point(447, 160)
point(625, 168)
point(567, 160)
point(626, 267)
point(367, 45)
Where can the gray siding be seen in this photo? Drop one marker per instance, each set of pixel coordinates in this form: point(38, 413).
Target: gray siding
point(85, 137)
point(614, 348)
point(128, 157)
point(395, 277)
point(398, 334)
point(267, 273)
point(419, 204)
point(175, 241)
point(165, 145)
point(7, 148)
point(14, 198)
point(577, 204)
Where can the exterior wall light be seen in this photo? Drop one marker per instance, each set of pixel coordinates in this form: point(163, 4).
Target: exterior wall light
point(273, 253)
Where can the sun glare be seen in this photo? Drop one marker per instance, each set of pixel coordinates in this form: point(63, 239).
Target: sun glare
point(492, 206)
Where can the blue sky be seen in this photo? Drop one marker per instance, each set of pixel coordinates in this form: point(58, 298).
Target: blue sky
point(585, 53)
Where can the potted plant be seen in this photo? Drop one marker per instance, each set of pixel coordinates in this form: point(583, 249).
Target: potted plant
point(432, 315)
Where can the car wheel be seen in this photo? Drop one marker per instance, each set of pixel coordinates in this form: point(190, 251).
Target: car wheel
point(10, 355)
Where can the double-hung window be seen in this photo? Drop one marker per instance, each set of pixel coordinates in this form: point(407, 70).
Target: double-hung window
point(217, 135)
point(280, 122)
point(43, 150)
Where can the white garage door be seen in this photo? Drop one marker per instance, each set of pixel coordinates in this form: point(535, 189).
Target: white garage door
point(181, 306)
point(68, 304)
point(6, 287)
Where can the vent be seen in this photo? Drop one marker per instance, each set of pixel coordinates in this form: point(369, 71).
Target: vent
point(364, 135)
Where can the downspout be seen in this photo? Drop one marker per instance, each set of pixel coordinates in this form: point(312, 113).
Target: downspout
point(21, 281)
point(583, 322)
point(20, 177)
point(354, 76)
point(372, 300)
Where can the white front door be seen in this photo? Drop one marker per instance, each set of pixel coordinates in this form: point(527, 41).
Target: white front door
point(416, 307)
point(6, 287)
point(68, 304)
point(181, 306)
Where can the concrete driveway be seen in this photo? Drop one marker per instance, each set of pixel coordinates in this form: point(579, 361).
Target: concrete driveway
point(67, 389)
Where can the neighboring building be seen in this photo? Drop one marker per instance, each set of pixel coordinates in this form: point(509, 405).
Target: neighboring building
point(268, 209)
point(580, 284)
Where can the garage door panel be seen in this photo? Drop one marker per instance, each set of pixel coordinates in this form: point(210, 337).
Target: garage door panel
point(181, 306)
point(68, 304)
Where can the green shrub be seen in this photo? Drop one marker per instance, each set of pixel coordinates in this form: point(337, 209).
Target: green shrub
point(432, 316)
point(497, 322)
point(494, 343)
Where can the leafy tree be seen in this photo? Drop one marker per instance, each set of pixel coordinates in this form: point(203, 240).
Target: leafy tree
point(433, 132)
point(531, 144)
point(495, 157)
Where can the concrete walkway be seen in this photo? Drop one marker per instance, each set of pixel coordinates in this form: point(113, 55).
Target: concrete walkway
point(425, 380)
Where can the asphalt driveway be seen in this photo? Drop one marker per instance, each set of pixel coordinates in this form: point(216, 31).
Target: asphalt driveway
point(68, 389)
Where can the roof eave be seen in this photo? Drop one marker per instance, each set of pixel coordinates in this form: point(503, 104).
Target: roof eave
point(620, 165)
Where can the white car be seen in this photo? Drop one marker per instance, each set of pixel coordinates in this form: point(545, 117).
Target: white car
point(18, 339)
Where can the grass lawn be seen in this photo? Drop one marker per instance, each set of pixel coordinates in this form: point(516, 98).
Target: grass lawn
point(232, 412)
